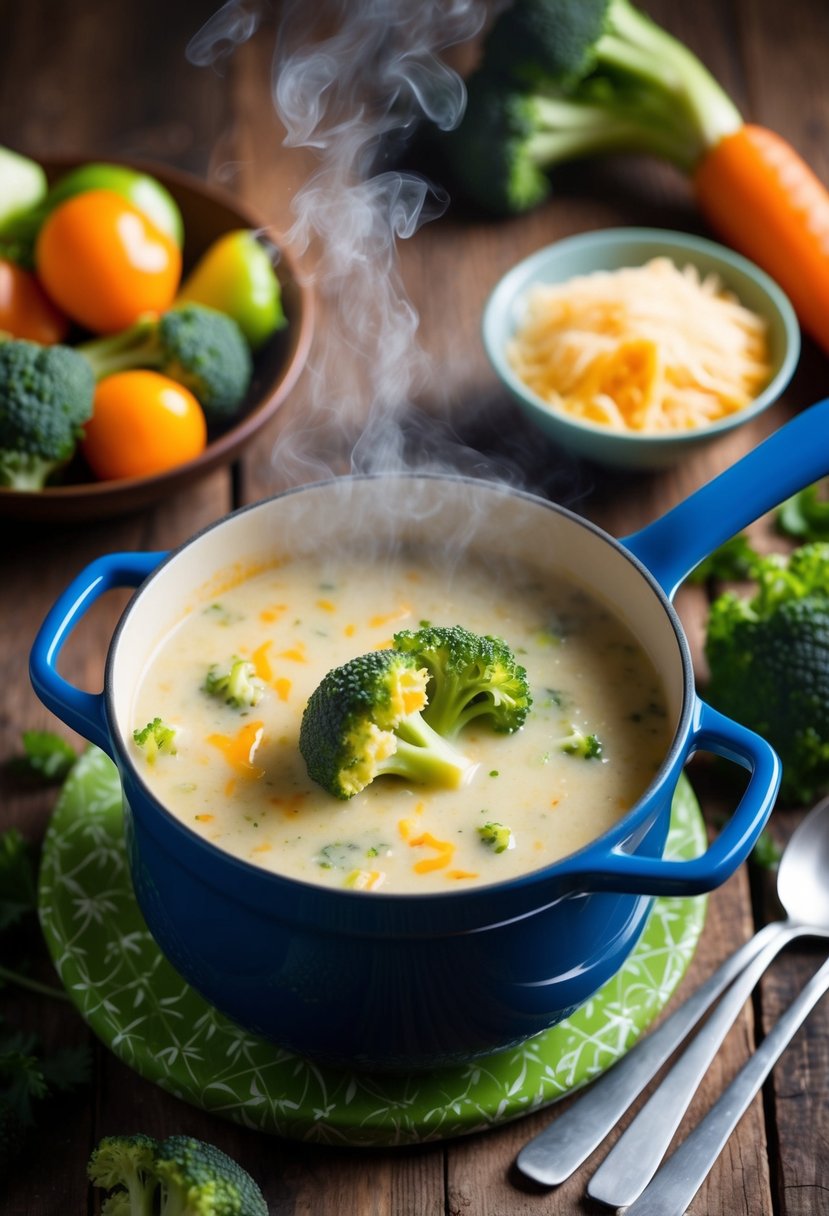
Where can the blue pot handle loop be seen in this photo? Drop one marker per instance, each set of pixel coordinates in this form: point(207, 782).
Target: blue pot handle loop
point(82, 711)
point(711, 732)
point(788, 461)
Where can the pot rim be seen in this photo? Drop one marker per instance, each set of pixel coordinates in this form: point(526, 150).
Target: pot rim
point(562, 875)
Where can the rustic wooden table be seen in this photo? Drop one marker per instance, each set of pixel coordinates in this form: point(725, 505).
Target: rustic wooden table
point(113, 78)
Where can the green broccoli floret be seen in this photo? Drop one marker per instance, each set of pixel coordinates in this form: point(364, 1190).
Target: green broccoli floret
point(156, 738)
point(470, 676)
point(562, 79)
point(735, 559)
point(496, 837)
point(363, 721)
point(768, 657)
point(198, 1179)
point(238, 686)
point(178, 1177)
point(199, 347)
point(128, 1164)
point(577, 743)
point(45, 398)
point(806, 514)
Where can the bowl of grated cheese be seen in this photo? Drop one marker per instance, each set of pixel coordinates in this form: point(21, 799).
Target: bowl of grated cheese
point(632, 346)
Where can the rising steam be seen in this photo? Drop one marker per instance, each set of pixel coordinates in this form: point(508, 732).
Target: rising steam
point(350, 81)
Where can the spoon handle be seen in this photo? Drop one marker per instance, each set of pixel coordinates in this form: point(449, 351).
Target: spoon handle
point(564, 1144)
point(674, 1186)
point(635, 1157)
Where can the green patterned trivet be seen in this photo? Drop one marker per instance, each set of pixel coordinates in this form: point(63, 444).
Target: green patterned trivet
point(141, 1008)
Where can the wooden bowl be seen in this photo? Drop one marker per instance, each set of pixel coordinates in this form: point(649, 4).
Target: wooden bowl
point(207, 213)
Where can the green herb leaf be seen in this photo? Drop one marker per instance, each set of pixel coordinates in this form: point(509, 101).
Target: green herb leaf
point(66, 1068)
point(18, 884)
point(45, 755)
point(736, 559)
point(27, 1075)
point(766, 853)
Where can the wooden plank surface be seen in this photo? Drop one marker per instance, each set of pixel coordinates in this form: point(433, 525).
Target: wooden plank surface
point(113, 78)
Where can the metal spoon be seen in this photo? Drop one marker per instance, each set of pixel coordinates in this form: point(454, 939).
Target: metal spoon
point(803, 890)
point(676, 1183)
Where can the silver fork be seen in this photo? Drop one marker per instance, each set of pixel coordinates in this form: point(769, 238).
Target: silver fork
point(676, 1183)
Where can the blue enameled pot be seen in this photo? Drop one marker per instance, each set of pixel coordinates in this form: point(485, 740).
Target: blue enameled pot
point(384, 980)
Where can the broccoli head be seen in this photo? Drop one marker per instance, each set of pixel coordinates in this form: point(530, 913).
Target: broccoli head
point(768, 657)
point(535, 41)
point(363, 721)
point(496, 154)
point(470, 676)
point(577, 743)
point(46, 395)
point(806, 514)
point(237, 686)
point(496, 836)
point(156, 738)
point(199, 1178)
point(178, 1177)
point(125, 1165)
point(199, 347)
point(562, 79)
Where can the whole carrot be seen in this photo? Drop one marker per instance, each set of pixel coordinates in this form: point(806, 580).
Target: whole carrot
point(760, 197)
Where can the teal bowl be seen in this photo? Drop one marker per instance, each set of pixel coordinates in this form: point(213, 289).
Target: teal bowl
point(614, 249)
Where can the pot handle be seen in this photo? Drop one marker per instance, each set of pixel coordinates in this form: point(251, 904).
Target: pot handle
point(788, 461)
point(82, 711)
point(711, 732)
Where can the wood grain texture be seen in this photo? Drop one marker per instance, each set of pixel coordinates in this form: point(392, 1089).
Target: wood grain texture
point(114, 78)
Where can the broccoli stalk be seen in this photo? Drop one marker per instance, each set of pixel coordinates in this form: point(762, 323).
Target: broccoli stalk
point(768, 657)
point(45, 398)
point(470, 677)
point(561, 79)
point(180, 1176)
point(199, 347)
point(363, 721)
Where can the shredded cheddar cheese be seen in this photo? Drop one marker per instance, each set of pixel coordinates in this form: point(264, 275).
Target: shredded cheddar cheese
point(444, 849)
point(261, 664)
point(239, 749)
point(283, 687)
point(649, 348)
point(296, 654)
point(388, 618)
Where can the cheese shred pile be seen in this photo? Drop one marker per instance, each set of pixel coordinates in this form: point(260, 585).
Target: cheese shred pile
point(649, 348)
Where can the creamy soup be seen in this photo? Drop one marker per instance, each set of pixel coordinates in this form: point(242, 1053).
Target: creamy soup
point(237, 777)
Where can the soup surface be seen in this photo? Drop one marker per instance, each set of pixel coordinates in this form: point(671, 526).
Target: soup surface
point(237, 777)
